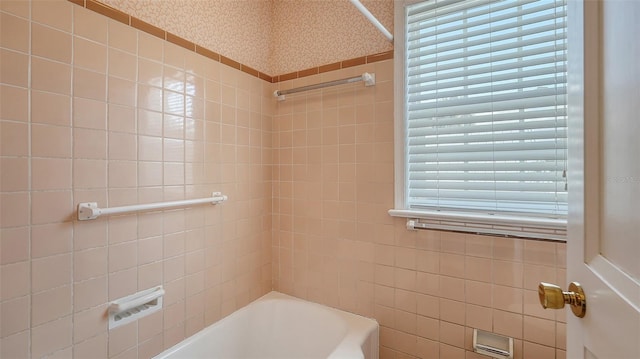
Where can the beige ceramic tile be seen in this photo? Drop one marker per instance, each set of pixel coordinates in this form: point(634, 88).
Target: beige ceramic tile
point(50, 108)
point(15, 245)
point(15, 316)
point(50, 76)
point(51, 272)
point(56, 13)
point(14, 69)
point(50, 43)
point(15, 32)
point(50, 337)
point(15, 174)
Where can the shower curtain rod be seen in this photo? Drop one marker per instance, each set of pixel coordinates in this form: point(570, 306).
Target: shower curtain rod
point(372, 19)
point(369, 80)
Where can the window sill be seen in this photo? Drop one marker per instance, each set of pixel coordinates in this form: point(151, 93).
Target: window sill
point(503, 225)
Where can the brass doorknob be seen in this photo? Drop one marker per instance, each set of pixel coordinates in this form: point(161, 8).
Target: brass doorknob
point(553, 297)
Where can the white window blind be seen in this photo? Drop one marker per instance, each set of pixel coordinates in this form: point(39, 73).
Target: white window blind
point(486, 113)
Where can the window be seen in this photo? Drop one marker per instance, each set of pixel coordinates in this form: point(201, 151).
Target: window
point(482, 121)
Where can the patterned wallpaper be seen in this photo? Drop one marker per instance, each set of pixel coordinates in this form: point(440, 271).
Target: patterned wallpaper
point(272, 36)
point(310, 33)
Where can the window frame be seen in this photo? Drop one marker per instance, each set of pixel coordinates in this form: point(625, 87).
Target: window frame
point(535, 227)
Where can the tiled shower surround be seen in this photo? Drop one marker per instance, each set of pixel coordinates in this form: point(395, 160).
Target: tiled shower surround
point(95, 110)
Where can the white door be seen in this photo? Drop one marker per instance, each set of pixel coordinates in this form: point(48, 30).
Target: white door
point(604, 177)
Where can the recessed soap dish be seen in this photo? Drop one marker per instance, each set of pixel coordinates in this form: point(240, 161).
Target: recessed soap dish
point(135, 306)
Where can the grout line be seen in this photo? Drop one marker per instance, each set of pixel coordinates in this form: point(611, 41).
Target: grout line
point(141, 25)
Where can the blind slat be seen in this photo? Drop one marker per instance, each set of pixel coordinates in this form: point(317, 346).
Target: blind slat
point(531, 116)
point(415, 76)
point(433, 129)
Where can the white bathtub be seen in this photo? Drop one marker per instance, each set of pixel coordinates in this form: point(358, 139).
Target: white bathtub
point(279, 326)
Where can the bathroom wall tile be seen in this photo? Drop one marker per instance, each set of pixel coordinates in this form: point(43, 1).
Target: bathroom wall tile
point(50, 76)
point(151, 347)
point(534, 350)
point(15, 32)
point(89, 293)
point(150, 148)
point(150, 73)
point(479, 317)
point(51, 239)
point(150, 326)
point(51, 272)
point(89, 264)
point(90, 25)
point(15, 174)
point(15, 316)
point(479, 269)
point(561, 336)
point(89, 114)
point(122, 174)
point(122, 256)
point(508, 273)
point(50, 141)
point(123, 92)
point(123, 283)
point(14, 245)
point(95, 347)
point(50, 174)
point(89, 84)
point(540, 331)
point(173, 102)
point(122, 338)
point(507, 323)
point(89, 55)
point(122, 65)
point(149, 250)
point(173, 336)
point(15, 138)
point(14, 68)
point(150, 275)
point(50, 43)
point(89, 173)
point(50, 337)
point(15, 105)
point(150, 173)
point(14, 209)
point(540, 253)
point(121, 118)
point(507, 298)
point(50, 108)
point(15, 346)
point(122, 146)
point(50, 207)
point(89, 323)
point(452, 311)
point(150, 47)
point(123, 37)
point(56, 14)
point(561, 255)
point(150, 98)
point(89, 234)
point(508, 249)
point(452, 265)
point(452, 334)
point(50, 305)
point(16, 280)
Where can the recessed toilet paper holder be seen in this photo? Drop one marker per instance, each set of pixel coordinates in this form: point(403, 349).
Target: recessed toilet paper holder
point(493, 345)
